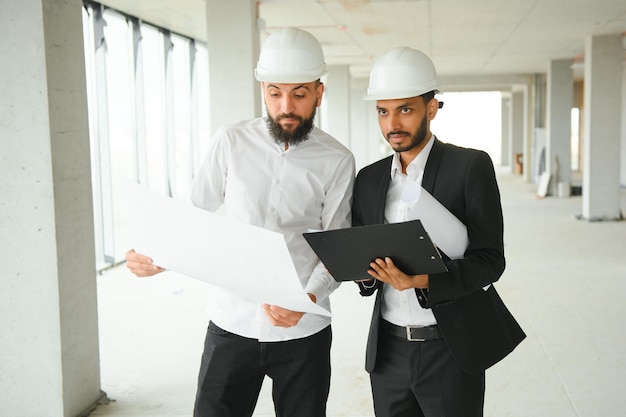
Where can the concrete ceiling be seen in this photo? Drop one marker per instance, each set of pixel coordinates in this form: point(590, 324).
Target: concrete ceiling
point(476, 38)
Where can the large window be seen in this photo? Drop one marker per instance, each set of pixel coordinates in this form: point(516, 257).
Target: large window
point(147, 88)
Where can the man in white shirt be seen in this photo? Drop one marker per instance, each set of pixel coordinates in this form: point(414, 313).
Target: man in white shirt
point(283, 174)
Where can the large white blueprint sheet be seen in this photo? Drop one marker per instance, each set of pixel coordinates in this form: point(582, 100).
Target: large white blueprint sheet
point(246, 260)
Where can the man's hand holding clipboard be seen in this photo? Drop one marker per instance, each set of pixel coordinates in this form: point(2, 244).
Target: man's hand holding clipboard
point(348, 253)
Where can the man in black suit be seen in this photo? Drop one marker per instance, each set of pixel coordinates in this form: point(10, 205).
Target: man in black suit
point(431, 336)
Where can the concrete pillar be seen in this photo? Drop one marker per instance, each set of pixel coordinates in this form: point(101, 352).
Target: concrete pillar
point(336, 120)
point(49, 361)
point(233, 45)
point(360, 142)
point(560, 93)
point(518, 128)
point(623, 153)
point(603, 104)
point(368, 143)
point(536, 141)
point(505, 138)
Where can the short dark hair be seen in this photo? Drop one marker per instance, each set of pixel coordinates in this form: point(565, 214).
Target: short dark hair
point(428, 96)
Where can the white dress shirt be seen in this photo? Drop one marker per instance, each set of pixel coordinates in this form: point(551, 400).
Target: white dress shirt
point(306, 187)
point(402, 307)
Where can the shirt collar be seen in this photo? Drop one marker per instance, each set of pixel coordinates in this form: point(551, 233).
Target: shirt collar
point(417, 165)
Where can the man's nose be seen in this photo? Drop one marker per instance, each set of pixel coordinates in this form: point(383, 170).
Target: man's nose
point(393, 123)
point(287, 105)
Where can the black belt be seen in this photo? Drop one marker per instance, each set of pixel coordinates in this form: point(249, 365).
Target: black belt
point(412, 333)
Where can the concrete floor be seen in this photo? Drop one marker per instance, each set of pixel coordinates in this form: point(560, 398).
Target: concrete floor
point(565, 282)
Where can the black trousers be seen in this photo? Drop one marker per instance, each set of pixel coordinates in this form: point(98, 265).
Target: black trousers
point(233, 369)
point(422, 379)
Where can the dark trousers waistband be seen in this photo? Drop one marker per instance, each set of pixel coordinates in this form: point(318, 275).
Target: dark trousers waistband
point(412, 333)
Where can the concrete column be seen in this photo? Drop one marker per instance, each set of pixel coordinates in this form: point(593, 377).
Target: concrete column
point(560, 93)
point(603, 104)
point(49, 361)
point(536, 140)
point(336, 120)
point(505, 138)
point(623, 153)
point(368, 143)
point(518, 128)
point(359, 133)
point(233, 45)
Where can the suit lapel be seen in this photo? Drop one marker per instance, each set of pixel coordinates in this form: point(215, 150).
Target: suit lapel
point(383, 186)
point(432, 166)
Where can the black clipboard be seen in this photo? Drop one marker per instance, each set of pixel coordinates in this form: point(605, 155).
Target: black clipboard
point(347, 253)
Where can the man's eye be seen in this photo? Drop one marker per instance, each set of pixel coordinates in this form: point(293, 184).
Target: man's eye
point(405, 110)
point(382, 112)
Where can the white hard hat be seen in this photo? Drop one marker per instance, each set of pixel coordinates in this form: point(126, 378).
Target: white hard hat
point(290, 56)
point(402, 73)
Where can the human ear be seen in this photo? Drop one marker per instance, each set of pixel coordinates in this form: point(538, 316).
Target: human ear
point(320, 93)
point(432, 107)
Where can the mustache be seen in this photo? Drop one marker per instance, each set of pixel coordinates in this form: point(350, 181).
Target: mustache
point(289, 116)
point(398, 132)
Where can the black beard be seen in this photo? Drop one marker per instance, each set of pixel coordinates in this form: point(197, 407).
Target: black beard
point(416, 139)
point(298, 135)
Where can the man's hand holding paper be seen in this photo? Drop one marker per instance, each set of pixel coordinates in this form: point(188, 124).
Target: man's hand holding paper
point(141, 265)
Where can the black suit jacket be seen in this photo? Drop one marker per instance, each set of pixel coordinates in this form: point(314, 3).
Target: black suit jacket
point(475, 324)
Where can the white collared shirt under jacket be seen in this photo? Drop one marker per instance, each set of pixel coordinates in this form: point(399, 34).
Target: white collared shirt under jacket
point(307, 187)
point(401, 307)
